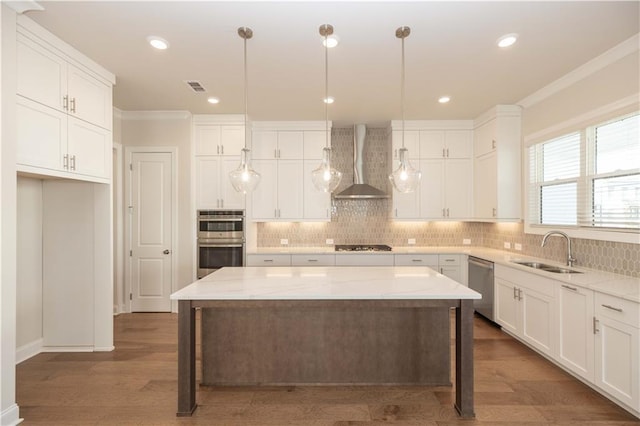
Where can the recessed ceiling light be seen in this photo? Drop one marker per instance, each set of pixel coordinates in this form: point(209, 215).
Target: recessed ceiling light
point(329, 100)
point(213, 100)
point(332, 41)
point(444, 99)
point(507, 40)
point(158, 43)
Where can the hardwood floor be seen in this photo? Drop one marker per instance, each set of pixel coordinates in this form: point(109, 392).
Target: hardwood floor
point(136, 385)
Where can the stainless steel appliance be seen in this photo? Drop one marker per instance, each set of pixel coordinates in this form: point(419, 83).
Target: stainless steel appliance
point(481, 280)
point(220, 240)
point(362, 247)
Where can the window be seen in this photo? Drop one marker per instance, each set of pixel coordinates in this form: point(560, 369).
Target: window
point(589, 178)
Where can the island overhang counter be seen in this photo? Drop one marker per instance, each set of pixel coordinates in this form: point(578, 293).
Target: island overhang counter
point(325, 325)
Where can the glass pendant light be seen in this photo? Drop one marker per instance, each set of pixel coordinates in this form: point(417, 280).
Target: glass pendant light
point(405, 178)
point(325, 178)
point(244, 179)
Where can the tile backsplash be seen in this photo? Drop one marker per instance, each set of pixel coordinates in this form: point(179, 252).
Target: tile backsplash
point(370, 221)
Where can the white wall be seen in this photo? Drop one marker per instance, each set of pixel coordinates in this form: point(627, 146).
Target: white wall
point(170, 129)
point(29, 266)
point(9, 412)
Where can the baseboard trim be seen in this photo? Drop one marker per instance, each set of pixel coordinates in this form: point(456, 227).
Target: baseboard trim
point(11, 416)
point(27, 351)
point(67, 349)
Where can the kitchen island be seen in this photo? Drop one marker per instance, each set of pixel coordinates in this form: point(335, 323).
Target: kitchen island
point(320, 325)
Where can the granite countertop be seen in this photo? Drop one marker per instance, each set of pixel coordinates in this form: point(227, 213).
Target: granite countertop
point(325, 283)
point(605, 282)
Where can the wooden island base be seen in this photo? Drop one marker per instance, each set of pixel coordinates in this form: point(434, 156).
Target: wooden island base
point(328, 345)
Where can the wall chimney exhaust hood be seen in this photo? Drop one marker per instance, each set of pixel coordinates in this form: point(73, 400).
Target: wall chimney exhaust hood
point(360, 190)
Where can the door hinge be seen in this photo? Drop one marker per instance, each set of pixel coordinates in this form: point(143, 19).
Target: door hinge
point(130, 296)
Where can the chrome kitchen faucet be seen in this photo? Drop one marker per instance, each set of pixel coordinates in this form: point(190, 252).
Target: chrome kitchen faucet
point(570, 258)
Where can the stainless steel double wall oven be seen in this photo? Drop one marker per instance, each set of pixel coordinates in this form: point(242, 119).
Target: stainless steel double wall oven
point(220, 240)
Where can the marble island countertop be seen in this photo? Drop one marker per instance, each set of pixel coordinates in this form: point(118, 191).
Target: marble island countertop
point(605, 282)
point(325, 283)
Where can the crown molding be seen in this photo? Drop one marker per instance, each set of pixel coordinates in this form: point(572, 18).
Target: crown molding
point(23, 5)
point(609, 57)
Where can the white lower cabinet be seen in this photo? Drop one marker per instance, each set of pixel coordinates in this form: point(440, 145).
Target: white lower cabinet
point(524, 305)
point(617, 355)
point(364, 259)
point(407, 259)
point(575, 329)
point(268, 260)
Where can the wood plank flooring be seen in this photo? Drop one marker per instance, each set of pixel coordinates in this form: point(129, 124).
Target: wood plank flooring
point(136, 385)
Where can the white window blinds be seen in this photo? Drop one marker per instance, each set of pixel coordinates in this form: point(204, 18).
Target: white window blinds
point(589, 178)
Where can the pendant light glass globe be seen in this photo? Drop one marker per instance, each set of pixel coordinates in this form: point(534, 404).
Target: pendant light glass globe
point(325, 178)
point(244, 179)
point(405, 178)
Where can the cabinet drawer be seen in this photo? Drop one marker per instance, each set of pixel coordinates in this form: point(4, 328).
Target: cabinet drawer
point(268, 260)
point(448, 259)
point(416, 259)
point(622, 310)
point(313, 259)
point(364, 260)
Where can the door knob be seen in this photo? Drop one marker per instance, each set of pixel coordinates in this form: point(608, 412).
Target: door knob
point(167, 251)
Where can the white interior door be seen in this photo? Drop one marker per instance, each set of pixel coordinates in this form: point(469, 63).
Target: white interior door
point(151, 219)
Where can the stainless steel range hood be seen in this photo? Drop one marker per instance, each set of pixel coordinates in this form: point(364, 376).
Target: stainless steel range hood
point(360, 190)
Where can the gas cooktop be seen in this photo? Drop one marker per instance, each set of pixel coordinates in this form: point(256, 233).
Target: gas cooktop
point(362, 247)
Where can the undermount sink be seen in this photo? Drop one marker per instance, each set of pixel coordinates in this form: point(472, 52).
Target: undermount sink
point(548, 268)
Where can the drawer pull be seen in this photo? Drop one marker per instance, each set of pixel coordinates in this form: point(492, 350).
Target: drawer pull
point(312, 260)
point(268, 260)
point(569, 287)
point(416, 260)
point(449, 260)
point(612, 308)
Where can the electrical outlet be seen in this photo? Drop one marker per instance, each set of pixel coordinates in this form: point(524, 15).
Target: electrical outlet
point(284, 241)
point(518, 246)
point(507, 245)
point(329, 241)
point(466, 241)
point(411, 241)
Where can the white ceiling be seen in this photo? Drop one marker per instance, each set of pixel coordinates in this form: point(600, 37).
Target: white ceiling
point(451, 50)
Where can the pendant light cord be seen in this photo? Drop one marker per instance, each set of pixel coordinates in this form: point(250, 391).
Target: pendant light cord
point(246, 92)
point(326, 86)
point(402, 90)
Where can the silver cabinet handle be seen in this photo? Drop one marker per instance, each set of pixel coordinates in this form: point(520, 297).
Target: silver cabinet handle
point(493, 144)
point(612, 308)
point(278, 152)
point(515, 293)
point(222, 203)
point(447, 152)
point(519, 294)
point(312, 260)
point(569, 287)
point(218, 149)
point(167, 251)
point(65, 161)
point(268, 260)
point(222, 149)
point(495, 212)
point(65, 102)
point(417, 260)
point(595, 325)
point(73, 162)
point(443, 213)
point(73, 104)
point(443, 152)
point(447, 211)
point(449, 260)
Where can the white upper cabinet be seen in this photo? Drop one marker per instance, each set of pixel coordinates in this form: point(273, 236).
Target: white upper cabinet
point(411, 143)
point(314, 143)
point(497, 164)
point(64, 109)
point(219, 139)
point(278, 145)
point(446, 144)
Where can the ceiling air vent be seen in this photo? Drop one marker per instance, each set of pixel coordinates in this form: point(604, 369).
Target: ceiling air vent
point(196, 86)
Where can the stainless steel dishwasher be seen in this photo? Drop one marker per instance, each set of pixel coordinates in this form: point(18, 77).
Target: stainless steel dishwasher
point(481, 280)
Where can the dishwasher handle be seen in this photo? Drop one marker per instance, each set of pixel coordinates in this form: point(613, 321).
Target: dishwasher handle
point(480, 262)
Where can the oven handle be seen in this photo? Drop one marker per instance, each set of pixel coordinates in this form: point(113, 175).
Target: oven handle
point(220, 245)
point(219, 219)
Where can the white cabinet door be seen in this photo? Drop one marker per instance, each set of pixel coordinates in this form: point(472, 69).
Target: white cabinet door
point(406, 206)
point(537, 319)
point(485, 138)
point(485, 186)
point(452, 272)
point(41, 135)
point(88, 148)
point(316, 204)
point(89, 99)
point(207, 139)
point(575, 331)
point(290, 145)
point(506, 305)
point(314, 143)
point(290, 189)
point(432, 144)
point(207, 182)
point(41, 74)
point(231, 140)
point(264, 144)
point(411, 142)
point(458, 188)
point(432, 189)
point(265, 197)
point(231, 199)
point(458, 143)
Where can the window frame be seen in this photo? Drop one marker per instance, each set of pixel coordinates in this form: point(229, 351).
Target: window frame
point(584, 183)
